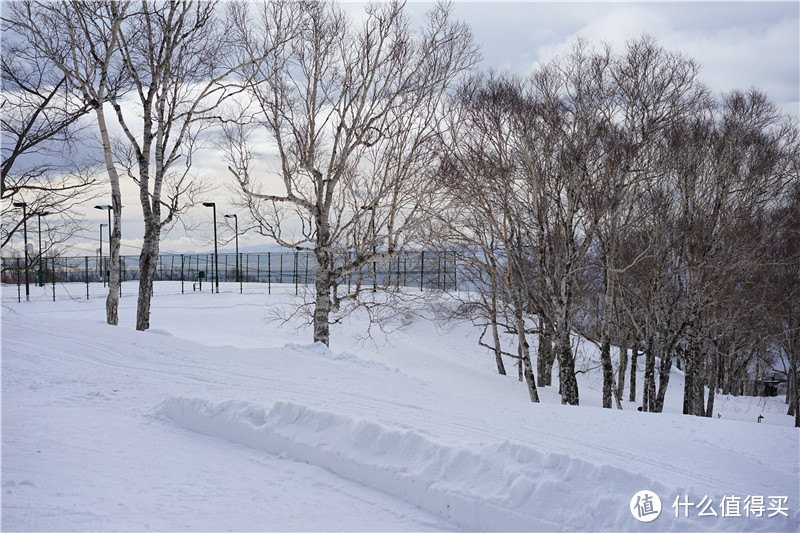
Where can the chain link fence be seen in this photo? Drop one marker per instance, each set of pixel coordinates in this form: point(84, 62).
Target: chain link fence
point(424, 270)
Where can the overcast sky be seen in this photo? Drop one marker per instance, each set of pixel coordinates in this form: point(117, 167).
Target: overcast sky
point(738, 44)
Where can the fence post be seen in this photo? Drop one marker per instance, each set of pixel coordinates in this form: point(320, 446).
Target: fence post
point(19, 293)
point(269, 272)
point(296, 285)
point(54, 278)
point(422, 271)
point(438, 271)
point(455, 272)
point(280, 268)
point(181, 273)
point(86, 270)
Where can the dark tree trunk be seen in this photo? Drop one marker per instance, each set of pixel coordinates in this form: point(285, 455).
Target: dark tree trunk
point(498, 354)
point(649, 386)
point(688, 382)
point(568, 383)
point(545, 356)
point(634, 357)
point(608, 373)
point(605, 336)
point(524, 353)
point(713, 377)
point(623, 364)
point(664, 373)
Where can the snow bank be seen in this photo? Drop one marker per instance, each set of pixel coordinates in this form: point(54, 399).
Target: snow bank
point(482, 487)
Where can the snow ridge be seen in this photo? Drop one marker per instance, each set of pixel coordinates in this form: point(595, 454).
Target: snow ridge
point(497, 487)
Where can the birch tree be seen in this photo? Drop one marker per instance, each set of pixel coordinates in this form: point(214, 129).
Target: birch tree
point(481, 176)
point(81, 40)
point(42, 134)
point(350, 110)
point(180, 65)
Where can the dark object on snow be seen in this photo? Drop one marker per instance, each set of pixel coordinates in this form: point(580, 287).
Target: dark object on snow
point(760, 417)
point(639, 408)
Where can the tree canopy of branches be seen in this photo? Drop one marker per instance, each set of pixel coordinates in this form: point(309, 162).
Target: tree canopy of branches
point(610, 195)
point(350, 111)
point(41, 130)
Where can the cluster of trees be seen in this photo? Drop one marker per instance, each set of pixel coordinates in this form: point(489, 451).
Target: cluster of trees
point(606, 194)
point(613, 196)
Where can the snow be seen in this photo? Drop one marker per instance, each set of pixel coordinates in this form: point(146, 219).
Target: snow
point(219, 419)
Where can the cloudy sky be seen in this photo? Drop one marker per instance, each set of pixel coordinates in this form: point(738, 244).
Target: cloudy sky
point(738, 44)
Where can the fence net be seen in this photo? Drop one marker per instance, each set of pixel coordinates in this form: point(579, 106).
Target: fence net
point(425, 270)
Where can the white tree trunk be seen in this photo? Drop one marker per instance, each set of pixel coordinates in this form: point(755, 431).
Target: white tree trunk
point(112, 300)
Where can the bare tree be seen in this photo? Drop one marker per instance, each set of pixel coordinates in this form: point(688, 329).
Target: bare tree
point(643, 90)
point(174, 55)
point(41, 129)
point(783, 291)
point(81, 40)
point(481, 176)
point(350, 112)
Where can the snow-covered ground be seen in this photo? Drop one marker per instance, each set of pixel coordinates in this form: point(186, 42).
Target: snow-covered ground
point(218, 419)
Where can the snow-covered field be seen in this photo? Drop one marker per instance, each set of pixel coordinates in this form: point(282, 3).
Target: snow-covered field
point(218, 419)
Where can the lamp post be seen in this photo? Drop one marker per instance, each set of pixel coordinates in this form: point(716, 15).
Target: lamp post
point(102, 271)
point(102, 274)
point(216, 253)
point(41, 270)
point(23, 205)
point(371, 208)
point(238, 272)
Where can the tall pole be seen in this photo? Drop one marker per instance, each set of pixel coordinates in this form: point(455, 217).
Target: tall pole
point(238, 271)
point(102, 270)
point(108, 270)
point(23, 205)
point(41, 284)
point(213, 205)
point(41, 269)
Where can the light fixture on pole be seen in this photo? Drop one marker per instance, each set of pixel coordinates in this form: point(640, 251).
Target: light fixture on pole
point(216, 252)
point(238, 272)
point(41, 270)
point(23, 205)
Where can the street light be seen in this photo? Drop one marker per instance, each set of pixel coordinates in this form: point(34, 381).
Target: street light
point(23, 205)
point(106, 208)
point(102, 273)
point(371, 208)
point(216, 253)
point(238, 273)
point(41, 270)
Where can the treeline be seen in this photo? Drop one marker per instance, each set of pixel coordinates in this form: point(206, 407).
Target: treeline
point(612, 195)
